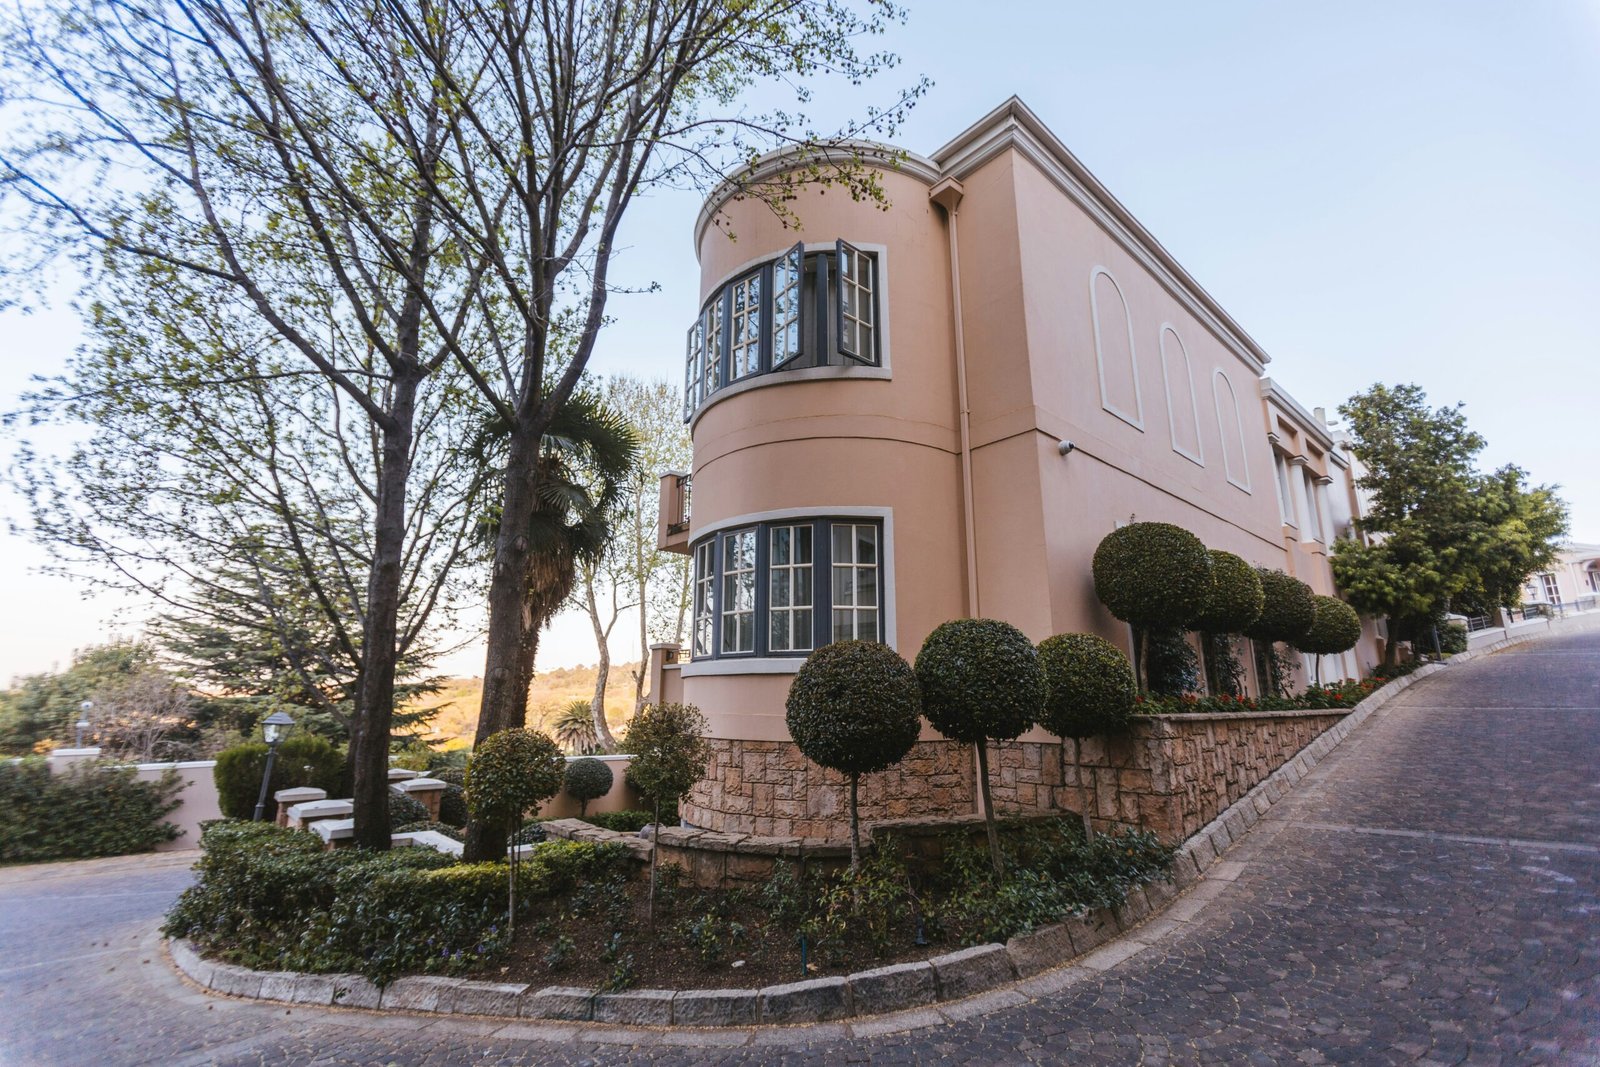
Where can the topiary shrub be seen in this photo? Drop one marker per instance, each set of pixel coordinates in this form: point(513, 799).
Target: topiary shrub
point(405, 808)
point(1452, 638)
point(1234, 603)
point(1152, 575)
point(91, 810)
point(453, 805)
point(510, 773)
point(670, 754)
point(1288, 610)
point(981, 679)
point(303, 761)
point(854, 707)
point(623, 822)
point(587, 779)
point(1335, 629)
point(1090, 690)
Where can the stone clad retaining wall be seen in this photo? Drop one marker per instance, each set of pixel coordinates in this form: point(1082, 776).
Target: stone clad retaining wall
point(1173, 774)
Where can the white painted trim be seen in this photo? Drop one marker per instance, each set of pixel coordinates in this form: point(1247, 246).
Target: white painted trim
point(821, 511)
point(1238, 426)
point(1199, 455)
point(743, 665)
point(1136, 420)
point(883, 371)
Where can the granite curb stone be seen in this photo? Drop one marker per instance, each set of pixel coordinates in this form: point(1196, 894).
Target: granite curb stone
point(893, 988)
point(636, 1007)
point(972, 971)
point(716, 1007)
point(814, 1000)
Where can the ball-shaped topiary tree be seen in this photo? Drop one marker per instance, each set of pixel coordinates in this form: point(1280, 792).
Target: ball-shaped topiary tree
point(1090, 691)
point(511, 772)
point(1152, 575)
point(855, 708)
point(1233, 604)
point(981, 680)
point(1288, 609)
point(587, 779)
point(1335, 629)
point(670, 754)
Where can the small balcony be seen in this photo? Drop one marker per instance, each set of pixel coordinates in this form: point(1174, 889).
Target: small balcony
point(672, 528)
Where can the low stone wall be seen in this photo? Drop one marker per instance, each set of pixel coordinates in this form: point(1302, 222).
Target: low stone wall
point(769, 789)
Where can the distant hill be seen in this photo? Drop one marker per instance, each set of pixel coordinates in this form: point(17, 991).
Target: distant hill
point(459, 698)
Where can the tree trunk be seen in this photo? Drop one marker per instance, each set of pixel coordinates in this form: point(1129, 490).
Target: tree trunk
point(1083, 810)
point(988, 809)
point(369, 728)
point(641, 574)
point(602, 672)
point(855, 826)
point(1139, 679)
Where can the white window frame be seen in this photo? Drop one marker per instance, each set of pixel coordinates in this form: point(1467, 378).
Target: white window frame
point(855, 608)
point(745, 327)
point(725, 611)
point(704, 623)
point(792, 572)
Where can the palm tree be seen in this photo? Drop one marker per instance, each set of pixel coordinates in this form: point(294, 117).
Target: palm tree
point(585, 459)
point(573, 728)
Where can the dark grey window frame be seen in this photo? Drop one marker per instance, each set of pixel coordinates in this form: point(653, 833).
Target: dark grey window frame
point(821, 584)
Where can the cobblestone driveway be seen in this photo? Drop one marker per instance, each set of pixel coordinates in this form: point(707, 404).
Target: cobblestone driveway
point(1431, 894)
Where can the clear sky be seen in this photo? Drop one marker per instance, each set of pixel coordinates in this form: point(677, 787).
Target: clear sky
point(1375, 191)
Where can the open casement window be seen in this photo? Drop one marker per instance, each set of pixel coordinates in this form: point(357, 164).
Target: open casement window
point(694, 366)
point(744, 320)
point(705, 584)
point(856, 304)
point(788, 276)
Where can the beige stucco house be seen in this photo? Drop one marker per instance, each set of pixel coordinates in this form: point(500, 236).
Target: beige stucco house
point(937, 410)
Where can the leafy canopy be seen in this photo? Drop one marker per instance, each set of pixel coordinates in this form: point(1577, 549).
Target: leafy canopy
point(1090, 684)
point(855, 707)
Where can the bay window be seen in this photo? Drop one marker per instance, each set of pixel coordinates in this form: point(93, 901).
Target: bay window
point(801, 309)
point(785, 588)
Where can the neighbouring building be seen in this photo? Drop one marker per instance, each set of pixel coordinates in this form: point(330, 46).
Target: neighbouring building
point(1573, 581)
point(937, 410)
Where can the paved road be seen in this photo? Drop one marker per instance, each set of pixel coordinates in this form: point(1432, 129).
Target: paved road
point(1431, 894)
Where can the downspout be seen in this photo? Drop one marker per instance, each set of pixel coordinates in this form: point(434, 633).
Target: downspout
point(947, 194)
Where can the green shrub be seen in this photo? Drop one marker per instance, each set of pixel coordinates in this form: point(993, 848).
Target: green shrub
point(670, 752)
point(587, 779)
point(303, 761)
point(1234, 599)
point(1335, 629)
point(404, 808)
point(511, 773)
point(1452, 638)
point(91, 810)
point(981, 679)
point(623, 822)
point(854, 707)
point(1289, 607)
point(1151, 574)
point(453, 805)
point(1171, 665)
point(1089, 686)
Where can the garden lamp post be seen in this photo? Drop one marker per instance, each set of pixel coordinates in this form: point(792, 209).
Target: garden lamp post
point(83, 720)
point(273, 727)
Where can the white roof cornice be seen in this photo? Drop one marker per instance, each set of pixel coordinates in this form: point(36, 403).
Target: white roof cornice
point(1308, 423)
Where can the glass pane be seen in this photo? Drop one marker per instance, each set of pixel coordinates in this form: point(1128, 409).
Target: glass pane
point(778, 632)
point(867, 544)
point(802, 629)
point(780, 588)
point(867, 625)
point(780, 546)
point(843, 595)
point(802, 544)
point(867, 586)
point(802, 586)
point(841, 544)
point(843, 625)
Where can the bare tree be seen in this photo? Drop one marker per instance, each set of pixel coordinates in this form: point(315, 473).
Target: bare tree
point(136, 716)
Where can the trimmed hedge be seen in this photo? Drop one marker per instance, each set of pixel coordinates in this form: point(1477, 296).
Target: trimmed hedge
point(306, 760)
point(1090, 686)
point(1152, 574)
point(271, 897)
point(588, 779)
point(453, 805)
point(91, 810)
point(623, 822)
point(1335, 628)
point(1235, 598)
point(980, 679)
point(854, 707)
point(1289, 609)
point(404, 808)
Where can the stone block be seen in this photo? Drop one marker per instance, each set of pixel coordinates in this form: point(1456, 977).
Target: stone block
point(817, 1000)
point(1091, 930)
point(235, 981)
point(419, 993)
point(636, 1007)
point(715, 1007)
point(486, 998)
point(1044, 948)
point(885, 989)
point(973, 970)
point(1135, 908)
point(188, 962)
point(558, 1002)
point(355, 991)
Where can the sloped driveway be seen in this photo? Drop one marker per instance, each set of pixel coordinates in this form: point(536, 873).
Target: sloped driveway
point(1430, 894)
